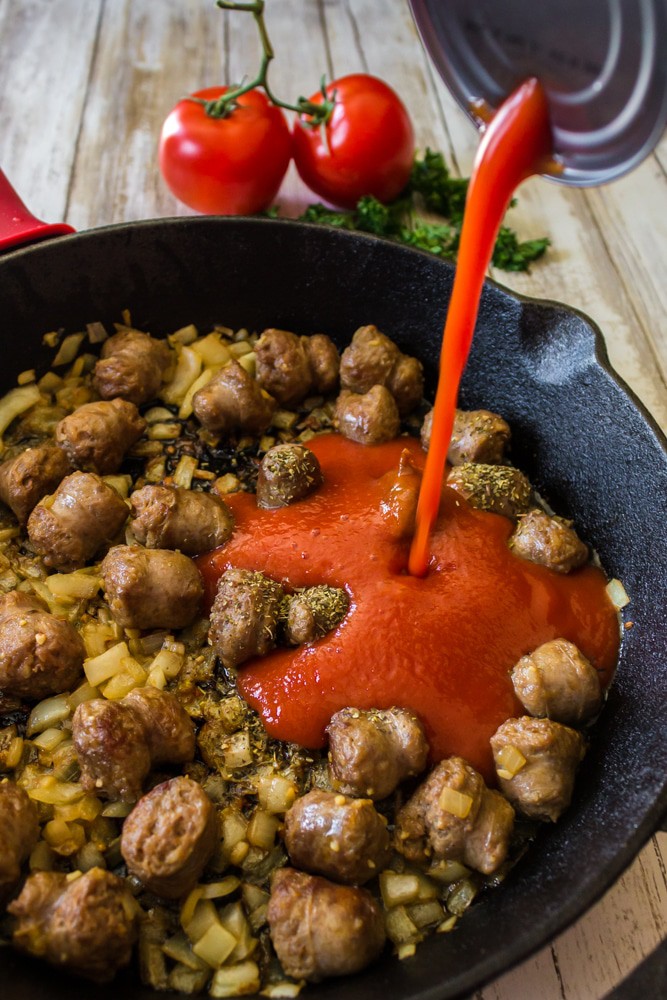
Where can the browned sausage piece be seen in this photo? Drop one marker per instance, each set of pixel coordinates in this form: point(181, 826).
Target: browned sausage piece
point(287, 473)
point(372, 752)
point(131, 367)
point(86, 925)
point(112, 748)
point(549, 541)
point(97, 435)
point(500, 489)
point(233, 401)
point(373, 359)
point(450, 818)
point(151, 588)
point(536, 761)
point(169, 837)
point(28, 477)
point(170, 734)
point(19, 832)
point(487, 844)
point(244, 616)
point(329, 834)
point(39, 653)
point(320, 929)
point(368, 419)
point(313, 612)
point(71, 525)
point(558, 682)
point(324, 362)
point(283, 366)
point(165, 517)
point(477, 436)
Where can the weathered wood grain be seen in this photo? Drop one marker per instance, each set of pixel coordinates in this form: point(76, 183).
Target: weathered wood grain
point(84, 88)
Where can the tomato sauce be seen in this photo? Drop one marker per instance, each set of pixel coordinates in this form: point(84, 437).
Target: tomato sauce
point(443, 645)
point(516, 144)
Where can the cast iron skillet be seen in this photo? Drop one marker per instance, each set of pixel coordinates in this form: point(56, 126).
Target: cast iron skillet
point(585, 442)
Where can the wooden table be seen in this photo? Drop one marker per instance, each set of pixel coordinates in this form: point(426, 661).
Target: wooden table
point(84, 87)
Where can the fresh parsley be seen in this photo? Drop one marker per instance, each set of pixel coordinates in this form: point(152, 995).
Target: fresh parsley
point(432, 189)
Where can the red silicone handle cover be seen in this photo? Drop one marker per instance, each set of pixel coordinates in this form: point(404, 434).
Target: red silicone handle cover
point(17, 225)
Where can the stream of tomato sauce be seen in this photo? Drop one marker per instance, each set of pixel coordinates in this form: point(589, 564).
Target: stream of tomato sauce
point(516, 144)
point(443, 645)
point(435, 623)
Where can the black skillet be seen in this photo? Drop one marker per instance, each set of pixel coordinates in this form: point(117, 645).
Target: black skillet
point(587, 444)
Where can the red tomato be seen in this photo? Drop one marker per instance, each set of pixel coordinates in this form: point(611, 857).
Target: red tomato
point(367, 146)
point(225, 166)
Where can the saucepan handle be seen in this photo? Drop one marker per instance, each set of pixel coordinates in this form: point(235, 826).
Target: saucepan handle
point(18, 226)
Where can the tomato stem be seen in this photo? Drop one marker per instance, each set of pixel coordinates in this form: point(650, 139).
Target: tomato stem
point(318, 113)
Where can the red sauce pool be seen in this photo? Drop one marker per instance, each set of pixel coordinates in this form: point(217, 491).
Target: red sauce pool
point(443, 645)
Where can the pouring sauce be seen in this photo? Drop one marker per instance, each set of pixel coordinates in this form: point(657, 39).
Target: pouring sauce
point(516, 144)
point(443, 645)
point(435, 624)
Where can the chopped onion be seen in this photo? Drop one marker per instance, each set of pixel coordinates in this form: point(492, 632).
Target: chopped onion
point(15, 402)
point(509, 761)
point(47, 714)
point(617, 594)
point(236, 980)
point(457, 803)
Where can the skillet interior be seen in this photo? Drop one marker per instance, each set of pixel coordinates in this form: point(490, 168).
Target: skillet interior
point(589, 448)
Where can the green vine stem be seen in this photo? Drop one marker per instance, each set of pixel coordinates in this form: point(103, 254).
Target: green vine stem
point(318, 113)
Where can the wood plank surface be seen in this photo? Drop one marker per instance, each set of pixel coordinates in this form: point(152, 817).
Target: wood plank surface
point(84, 88)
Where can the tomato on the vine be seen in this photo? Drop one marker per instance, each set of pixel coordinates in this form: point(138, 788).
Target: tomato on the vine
point(229, 165)
point(366, 146)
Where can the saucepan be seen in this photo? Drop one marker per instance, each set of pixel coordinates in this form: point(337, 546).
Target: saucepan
point(587, 444)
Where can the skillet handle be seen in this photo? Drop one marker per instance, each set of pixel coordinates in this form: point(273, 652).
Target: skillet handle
point(18, 225)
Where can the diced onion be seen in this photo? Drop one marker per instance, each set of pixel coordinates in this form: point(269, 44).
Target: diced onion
point(262, 829)
point(617, 594)
point(276, 793)
point(211, 349)
point(216, 890)
point(15, 402)
point(282, 991)
point(235, 980)
point(68, 350)
point(215, 945)
point(77, 585)
point(112, 661)
point(47, 714)
point(187, 370)
point(398, 889)
point(457, 803)
point(509, 761)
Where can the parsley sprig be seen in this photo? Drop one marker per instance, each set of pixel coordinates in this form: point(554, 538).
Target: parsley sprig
point(431, 189)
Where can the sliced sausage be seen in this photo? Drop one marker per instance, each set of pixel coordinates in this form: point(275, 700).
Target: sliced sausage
point(558, 682)
point(373, 359)
point(19, 832)
point(87, 925)
point(97, 435)
point(313, 612)
point(233, 401)
point(450, 818)
point(244, 616)
point(372, 752)
point(151, 588)
point(170, 836)
point(541, 786)
point(291, 367)
point(69, 527)
point(500, 489)
point(169, 731)
point(131, 367)
point(165, 517)
point(40, 654)
point(324, 363)
point(477, 436)
point(320, 929)
point(370, 418)
point(330, 834)
point(287, 473)
point(33, 474)
point(283, 366)
point(112, 749)
point(549, 541)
